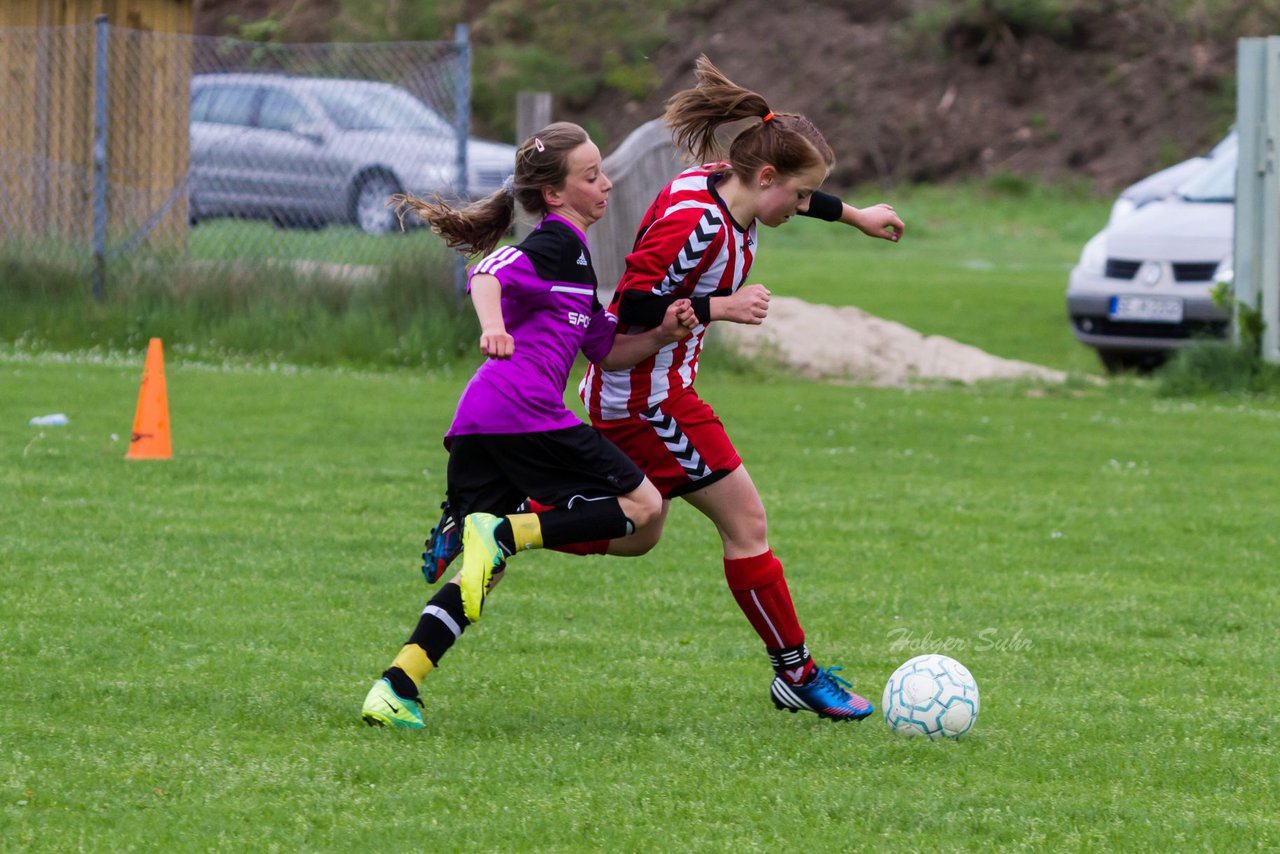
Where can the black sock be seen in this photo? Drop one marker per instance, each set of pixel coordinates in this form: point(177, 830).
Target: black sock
point(794, 664)
point(505, 537)
point(400, 683)
point(435, 633)
point(583, 522)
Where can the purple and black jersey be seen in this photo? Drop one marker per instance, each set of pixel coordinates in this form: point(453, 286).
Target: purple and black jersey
point(550, 308)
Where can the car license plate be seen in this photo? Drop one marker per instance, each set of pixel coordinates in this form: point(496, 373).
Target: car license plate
point(1148, 308)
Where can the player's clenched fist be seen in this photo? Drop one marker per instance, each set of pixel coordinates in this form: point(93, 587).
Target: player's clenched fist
point(497, 345)
point(750, 305)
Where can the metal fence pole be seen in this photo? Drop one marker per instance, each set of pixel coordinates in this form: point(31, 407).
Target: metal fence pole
point(1256, 253)
point(462, 123)
point(1269, 270)
point(1249, 171)
point(100, 155)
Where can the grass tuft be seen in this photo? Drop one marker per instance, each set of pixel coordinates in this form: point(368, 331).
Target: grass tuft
point(1217, 368)
point(400, 315)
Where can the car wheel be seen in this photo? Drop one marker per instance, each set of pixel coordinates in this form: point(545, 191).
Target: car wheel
point(1143, 362)
point(369, 203)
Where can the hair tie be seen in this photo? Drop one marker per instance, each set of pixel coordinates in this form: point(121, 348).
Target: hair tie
point(537, 143)
point(509, 184)
point(768, 117)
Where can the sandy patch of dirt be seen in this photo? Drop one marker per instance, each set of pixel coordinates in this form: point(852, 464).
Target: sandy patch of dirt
point(845, 342)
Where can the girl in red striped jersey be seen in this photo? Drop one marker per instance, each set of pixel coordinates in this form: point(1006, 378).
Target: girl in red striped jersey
point(698, 241)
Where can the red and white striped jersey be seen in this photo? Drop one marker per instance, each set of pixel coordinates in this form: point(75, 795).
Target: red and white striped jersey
point(687, 246)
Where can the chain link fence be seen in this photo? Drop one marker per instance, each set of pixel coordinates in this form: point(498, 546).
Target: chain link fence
point(124, 147)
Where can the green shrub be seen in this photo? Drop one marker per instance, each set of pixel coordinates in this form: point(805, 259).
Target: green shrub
point(979, 29)
point(1007, 183)
point(1217, 367)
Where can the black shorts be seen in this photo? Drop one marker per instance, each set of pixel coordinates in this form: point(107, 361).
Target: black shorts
point(494, 472)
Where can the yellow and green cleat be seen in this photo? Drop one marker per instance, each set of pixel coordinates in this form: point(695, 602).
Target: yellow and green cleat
point(481, 558)
point(384, 707)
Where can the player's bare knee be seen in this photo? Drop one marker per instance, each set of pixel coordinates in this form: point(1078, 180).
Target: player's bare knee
point(643, 506)
point(641, 512)
point(745, 536)
point(751, 527)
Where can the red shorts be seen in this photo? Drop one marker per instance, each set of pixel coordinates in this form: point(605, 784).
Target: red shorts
point(679, 444)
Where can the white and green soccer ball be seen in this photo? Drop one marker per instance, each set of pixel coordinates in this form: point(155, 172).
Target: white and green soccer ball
point(931, 695)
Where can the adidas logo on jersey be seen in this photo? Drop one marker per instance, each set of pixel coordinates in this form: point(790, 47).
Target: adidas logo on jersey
point(582, 259)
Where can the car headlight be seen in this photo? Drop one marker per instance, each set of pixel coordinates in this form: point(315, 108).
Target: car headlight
point(1093, 258)
point(1121, 209)
point(1226, 271)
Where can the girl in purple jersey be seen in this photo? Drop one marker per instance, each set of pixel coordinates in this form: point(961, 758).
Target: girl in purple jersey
point(512, 436)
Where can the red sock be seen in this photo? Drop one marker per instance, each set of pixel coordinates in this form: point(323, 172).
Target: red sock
point(592, 547)
point(760, 589)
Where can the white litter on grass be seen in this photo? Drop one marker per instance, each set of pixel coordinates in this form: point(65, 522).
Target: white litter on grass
point(55, 420)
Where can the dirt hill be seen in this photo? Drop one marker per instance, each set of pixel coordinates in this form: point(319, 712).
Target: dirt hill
point(1111, 108)
point(1122, 92)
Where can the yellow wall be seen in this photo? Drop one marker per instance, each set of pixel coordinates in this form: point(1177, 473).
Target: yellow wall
point(46, 101)
point(162, 16)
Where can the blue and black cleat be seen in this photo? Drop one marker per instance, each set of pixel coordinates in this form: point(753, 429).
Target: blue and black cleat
point(444, 544)
point(826, 694)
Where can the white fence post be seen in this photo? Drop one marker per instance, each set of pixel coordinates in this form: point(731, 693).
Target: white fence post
point(1257, 207)
point(533, 113)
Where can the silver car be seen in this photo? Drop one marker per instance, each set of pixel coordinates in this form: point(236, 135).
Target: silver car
point(1142, 286)
point(1165, 183)
point(312, 150)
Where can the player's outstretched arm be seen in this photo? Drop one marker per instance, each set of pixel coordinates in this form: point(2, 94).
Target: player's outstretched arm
point(876, 221)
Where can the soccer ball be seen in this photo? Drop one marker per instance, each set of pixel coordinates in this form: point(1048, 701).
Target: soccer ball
point(931, 695)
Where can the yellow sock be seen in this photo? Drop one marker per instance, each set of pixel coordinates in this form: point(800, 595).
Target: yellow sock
point(526, 530)
point(414, 662)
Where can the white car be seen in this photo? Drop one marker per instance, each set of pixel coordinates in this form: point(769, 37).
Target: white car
point(1142, 286)
point(1164, 183)
point(314, 150)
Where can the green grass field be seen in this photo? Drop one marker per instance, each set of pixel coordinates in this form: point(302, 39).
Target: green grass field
point(186, 643)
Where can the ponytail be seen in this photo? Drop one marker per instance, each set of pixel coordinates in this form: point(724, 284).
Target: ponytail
point(694, 114)
point(542, 161)
point(788, 141)
point(471, 230)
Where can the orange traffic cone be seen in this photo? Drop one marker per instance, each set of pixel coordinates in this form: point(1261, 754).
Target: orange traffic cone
point(150, 440)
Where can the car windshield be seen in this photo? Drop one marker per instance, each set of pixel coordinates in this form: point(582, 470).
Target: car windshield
point(361, 107)
point(1226, 145)
point(1215, 183)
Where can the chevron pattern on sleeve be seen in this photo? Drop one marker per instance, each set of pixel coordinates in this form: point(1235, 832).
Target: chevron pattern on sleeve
point(692, 253)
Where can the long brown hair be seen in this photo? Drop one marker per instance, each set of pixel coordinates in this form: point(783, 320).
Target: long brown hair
point(542, 160)
point(788, 141)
